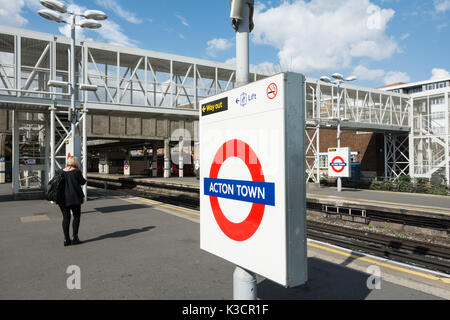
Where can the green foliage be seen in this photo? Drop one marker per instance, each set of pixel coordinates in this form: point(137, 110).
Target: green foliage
point(404, 184)
point(439, 190)
point(384, 186)
point(421, 185)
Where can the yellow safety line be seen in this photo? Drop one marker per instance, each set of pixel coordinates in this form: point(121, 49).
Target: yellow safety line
point(382, 264)
point(420, 274)
point(167, 206)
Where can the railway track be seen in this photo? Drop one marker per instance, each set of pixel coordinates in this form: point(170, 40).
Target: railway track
point(422, 254)
point(189, 197)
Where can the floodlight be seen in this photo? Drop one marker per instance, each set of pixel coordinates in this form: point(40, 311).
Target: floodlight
point(352, 78)
point(54, 5)
point(95, 14)
point(237, 9)
point(338, 76)
point(325, 79)
point(90, 24)
point(50, 15)
point(88, 87)
point(58, 84)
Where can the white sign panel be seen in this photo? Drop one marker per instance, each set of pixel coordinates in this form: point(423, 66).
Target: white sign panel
point(73, 149)
point(339, 162)
point(252, 196)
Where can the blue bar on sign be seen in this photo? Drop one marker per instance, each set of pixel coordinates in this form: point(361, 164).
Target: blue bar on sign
point(248, 191)
point(338, 164)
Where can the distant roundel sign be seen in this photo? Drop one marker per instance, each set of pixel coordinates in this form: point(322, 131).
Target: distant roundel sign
point(338, 164)
point(257, 190)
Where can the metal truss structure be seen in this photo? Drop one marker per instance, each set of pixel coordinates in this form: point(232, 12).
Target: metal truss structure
point(129, 80)
point(430, 136)
point(361, 109)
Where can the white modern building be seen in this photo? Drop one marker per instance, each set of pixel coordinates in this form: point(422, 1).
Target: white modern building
point(429, 140)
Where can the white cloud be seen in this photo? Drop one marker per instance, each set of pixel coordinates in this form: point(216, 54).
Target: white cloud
point(442, 5)
point(110, 31)
point(217, 44)
point(404, 36)
point(182, 19)
point(124, 14)
point(363, 73)
point(323, 35)
point(396, 76)
point(388, 77)
point(11, 13)
point(437, 74)
point(113, 33)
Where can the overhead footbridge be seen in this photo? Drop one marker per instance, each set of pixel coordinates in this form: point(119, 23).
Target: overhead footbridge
point(145, 95)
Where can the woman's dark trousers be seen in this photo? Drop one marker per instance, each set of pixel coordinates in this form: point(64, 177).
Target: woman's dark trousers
point(76, 210)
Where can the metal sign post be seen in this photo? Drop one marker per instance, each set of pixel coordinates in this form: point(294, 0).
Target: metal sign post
point(244, 282)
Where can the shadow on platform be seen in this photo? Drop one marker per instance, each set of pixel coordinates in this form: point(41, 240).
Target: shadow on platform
point(120, 208)
point(6, 197)
point(326, 281)
point(120, 234)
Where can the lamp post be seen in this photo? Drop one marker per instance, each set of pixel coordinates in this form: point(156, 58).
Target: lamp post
point(90, 23)
point(241, 15)
point(339, 80)
point(54, 12)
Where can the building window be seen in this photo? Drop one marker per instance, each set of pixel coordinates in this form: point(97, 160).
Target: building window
point(437, 101)
point(438, 115)
point(414, 90)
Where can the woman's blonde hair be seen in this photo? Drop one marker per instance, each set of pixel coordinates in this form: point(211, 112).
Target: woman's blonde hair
point(73, 162)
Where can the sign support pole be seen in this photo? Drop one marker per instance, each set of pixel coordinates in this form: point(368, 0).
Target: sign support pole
point(339, 180)
point(244, 281)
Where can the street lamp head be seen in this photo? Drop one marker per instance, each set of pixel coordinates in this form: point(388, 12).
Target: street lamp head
point(325, 79)
point(95, 15)
point(90, 24)
point(50, 15)
point(88, 87)
point(352, 78)
point(338, 76)
point(54, 5)
point(237, 9)
point(58, 84)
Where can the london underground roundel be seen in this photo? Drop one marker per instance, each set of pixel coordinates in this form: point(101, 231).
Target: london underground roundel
point(257, 191)
point(338, 164)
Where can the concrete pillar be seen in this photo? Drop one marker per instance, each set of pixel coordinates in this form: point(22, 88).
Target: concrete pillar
point(103, 163)
point(15, 154)
point(126, 164)
point(197, 159)
point(144, 149)
point(180, 158)
point(166, 158)
point(155, 161)
point(2, 157)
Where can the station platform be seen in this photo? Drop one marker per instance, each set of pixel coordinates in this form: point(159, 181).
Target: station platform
point(136, 248)
point(423, 205)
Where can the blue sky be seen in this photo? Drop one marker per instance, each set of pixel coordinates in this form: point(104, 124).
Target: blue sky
point(379, 41)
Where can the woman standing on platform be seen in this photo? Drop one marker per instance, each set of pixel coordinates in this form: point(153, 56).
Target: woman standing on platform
point(73, 198)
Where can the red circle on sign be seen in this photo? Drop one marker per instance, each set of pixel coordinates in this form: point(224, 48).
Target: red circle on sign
point(341, 168)
point(272, 91)
point(243, 230)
